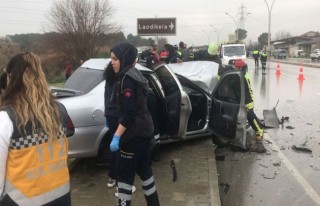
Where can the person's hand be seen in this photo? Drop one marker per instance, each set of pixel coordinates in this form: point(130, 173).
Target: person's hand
point(114, 145)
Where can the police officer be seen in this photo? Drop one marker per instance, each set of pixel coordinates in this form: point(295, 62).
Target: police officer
point(263, 59)
point(251, 116)
point(135, 128)
point(255, 55)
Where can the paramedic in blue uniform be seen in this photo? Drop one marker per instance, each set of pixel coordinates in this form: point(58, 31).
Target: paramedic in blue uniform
point(135, 129)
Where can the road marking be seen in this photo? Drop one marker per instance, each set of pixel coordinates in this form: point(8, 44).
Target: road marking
point(295, 173)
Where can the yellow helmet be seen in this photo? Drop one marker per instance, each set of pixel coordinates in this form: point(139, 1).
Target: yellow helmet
point(213, 48)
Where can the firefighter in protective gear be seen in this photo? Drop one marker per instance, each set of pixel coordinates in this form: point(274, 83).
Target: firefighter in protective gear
point(251, 116)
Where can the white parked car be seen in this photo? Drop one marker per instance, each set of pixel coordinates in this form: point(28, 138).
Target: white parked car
point(315, 54)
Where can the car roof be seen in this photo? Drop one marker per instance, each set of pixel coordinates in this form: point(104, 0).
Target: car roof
point(198, 71)
point(102, 63)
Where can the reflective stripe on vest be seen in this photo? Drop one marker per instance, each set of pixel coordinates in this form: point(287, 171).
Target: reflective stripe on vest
point(249, 105)
point(37, 171)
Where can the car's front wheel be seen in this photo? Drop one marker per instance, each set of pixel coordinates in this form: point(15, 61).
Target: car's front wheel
point(220, 142)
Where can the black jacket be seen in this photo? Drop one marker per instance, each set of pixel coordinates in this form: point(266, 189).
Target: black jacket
point(132, 93)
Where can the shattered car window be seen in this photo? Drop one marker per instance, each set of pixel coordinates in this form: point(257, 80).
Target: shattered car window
point(168, 82)
point(229, 90)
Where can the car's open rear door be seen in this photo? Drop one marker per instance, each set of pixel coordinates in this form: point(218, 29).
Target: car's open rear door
point(228, 115)
point(177, 104)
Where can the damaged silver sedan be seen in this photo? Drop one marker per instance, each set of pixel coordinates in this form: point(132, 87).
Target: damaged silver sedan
point(191, 102)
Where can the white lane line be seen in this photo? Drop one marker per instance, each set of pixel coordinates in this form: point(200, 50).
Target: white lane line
point(295, 173)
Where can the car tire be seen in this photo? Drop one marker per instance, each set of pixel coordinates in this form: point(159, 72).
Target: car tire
point(319, 58)
point(220, 142)
point(104, 151)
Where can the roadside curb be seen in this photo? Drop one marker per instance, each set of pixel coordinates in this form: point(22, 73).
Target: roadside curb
point(213, 176)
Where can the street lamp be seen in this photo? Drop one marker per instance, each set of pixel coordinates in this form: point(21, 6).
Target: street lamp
point(235, 22)
point(218, 33)
point(269, 26)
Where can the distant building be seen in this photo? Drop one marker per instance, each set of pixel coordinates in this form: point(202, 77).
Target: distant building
point(306, 42)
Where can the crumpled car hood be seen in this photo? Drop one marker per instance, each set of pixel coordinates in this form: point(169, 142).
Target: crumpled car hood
point(202, 73)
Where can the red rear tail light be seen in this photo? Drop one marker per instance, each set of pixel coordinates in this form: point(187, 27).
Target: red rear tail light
point(70, 127)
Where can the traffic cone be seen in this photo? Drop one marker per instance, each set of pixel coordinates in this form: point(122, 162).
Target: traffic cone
point(301, 77)
point(278, 72)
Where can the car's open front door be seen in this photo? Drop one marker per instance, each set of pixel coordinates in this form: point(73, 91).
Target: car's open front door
point(177, 106)
point(228, 115)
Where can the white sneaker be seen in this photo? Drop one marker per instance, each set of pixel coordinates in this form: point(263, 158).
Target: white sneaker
point(116, 194)
point(133, 189)
point(111, 182)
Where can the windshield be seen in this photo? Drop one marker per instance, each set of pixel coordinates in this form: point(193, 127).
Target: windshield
point(234, 51)
point(84, 79)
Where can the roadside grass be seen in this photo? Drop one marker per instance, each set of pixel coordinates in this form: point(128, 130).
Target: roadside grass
point(57, 84)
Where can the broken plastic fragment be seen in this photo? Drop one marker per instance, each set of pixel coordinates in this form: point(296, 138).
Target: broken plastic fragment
point(302, 149)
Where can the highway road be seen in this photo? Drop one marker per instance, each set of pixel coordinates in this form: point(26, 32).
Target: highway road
point(284, 175)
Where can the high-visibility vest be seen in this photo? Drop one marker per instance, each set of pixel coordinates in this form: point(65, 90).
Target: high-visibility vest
point(37, 170)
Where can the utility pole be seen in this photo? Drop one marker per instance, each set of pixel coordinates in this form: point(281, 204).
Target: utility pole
point(269, 27)
point(243, 13)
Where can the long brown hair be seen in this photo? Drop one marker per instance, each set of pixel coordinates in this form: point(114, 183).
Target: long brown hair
point(28, 94)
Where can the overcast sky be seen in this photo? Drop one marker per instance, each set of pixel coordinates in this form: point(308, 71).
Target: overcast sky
point(198, 21)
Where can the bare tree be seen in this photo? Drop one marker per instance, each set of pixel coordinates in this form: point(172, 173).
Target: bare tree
point(7, 50)
point(282, 35)
point(82, 25)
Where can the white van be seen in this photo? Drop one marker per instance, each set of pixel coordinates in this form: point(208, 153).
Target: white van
point(230, 52)
point(299, 53)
